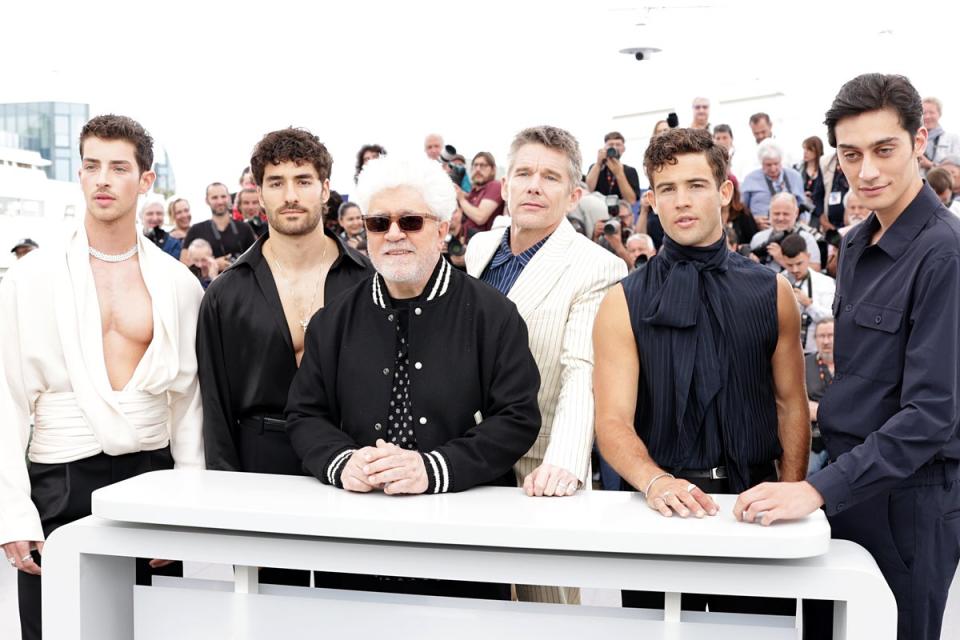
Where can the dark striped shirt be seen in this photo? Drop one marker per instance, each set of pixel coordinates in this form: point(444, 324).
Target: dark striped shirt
point(505, 268)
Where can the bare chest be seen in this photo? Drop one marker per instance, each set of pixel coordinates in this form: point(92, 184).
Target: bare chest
point(126, 317)
point(300, 300)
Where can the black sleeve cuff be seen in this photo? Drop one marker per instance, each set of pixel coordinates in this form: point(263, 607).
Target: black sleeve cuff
point(438, 475)
point(334, 469)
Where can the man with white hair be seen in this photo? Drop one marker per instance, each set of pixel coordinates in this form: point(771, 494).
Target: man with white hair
point(151, 219)
point(783, 222)
point(940, 144)
point(701, 113)
point(419, 380)
point(641, 248)
point(760, 185)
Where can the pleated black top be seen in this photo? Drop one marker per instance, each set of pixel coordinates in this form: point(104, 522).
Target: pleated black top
point(705, 323)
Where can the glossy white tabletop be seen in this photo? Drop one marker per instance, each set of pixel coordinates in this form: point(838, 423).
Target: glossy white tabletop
point(593, 521)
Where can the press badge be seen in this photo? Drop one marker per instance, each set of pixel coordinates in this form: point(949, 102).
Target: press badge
point(836, 197)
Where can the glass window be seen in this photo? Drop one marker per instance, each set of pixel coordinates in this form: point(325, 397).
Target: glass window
point(62, 169)
point(79, 110)
point(61, 130)
point(61, 108)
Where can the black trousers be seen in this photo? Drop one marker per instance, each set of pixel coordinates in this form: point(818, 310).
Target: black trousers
point(913, 532)
point(264, 447)
point(61, 493)
point(719, 603)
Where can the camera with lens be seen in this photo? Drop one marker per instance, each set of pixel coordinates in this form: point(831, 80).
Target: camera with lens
point(454, 246)
point(776, 237)
point(156, 235)
point(613, 153)
point(612, 225)
point(456, 172)
point(641, 260)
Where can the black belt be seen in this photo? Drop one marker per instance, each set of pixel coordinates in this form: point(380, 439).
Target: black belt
point(720, 473)
point(264, 423)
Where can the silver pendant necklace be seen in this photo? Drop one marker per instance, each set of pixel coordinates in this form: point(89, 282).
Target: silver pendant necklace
point(113, 257)
point(304, 317)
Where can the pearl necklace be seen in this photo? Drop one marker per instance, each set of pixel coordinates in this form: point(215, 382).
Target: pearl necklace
point(111, 257)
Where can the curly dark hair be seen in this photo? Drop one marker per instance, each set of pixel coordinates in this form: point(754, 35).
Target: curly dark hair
point(292, 144)
point(665, 148)
point(363, 150)
point(113, 127)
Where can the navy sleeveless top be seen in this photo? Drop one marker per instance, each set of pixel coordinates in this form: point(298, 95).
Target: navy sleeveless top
point(706, 327)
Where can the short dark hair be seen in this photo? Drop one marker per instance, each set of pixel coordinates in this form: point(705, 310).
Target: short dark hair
point(292, 144)
point(614, 135)
point(723, 128)
point(114, 127)
point(873, 92)
point(758, 116)
point(940, 180)
point(793, 245)
point(363, 151)
point(664, 149)
point(206, 193)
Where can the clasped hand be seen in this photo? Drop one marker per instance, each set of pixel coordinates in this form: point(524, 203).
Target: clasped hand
point(385, 466)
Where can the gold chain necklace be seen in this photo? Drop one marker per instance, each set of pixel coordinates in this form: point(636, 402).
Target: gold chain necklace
point(304, 317)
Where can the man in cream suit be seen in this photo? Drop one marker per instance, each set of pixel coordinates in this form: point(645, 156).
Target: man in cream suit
point(557, 278)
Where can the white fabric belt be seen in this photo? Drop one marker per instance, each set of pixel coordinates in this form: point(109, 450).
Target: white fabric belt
point(61, 432)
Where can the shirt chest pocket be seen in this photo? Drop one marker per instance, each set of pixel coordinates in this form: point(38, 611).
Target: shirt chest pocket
point(877, 352)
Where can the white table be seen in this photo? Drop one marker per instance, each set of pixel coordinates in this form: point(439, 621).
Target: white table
point(603, 540)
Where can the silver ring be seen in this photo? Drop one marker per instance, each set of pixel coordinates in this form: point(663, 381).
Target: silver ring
point(26, 557)
point(743, 514)
point(666, 494)
point(690, 487)
point(561, 485)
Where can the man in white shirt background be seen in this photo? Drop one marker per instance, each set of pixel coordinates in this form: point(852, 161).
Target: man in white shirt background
point(814, 291)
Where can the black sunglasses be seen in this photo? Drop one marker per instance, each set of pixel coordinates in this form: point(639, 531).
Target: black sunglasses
point(408, 222)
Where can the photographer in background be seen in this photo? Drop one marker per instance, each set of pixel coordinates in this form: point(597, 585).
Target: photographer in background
point(483, 202)
point(765, 245)
point(151, 217)
point(814, 291)
point(446, 155)
point(641, 249)
point(612, 233)
point(609, 175)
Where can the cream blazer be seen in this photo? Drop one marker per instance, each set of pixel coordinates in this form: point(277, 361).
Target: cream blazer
point(558, 295)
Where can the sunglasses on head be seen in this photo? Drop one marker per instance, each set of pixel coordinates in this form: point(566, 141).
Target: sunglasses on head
point(408, 222)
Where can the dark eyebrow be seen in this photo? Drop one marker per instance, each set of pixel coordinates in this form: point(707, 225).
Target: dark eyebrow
point(123, 162)
point(877, 143)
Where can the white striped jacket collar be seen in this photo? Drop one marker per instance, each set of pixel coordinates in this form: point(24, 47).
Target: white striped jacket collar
point(437, 285)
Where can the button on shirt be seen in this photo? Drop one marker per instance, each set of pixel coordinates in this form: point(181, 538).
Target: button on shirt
point(892, 406)
point(505, 268)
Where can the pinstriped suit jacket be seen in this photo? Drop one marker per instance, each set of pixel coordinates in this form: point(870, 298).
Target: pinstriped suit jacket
point(558, 295)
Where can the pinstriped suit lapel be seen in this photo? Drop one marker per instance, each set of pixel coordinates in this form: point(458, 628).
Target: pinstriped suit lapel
point(484, 246)
point(543, 271)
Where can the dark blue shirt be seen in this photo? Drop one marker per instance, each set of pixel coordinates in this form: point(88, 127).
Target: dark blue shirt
point(893, 405)
point(505, 268)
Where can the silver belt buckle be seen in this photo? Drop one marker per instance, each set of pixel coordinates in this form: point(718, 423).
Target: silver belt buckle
point(718, 473)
